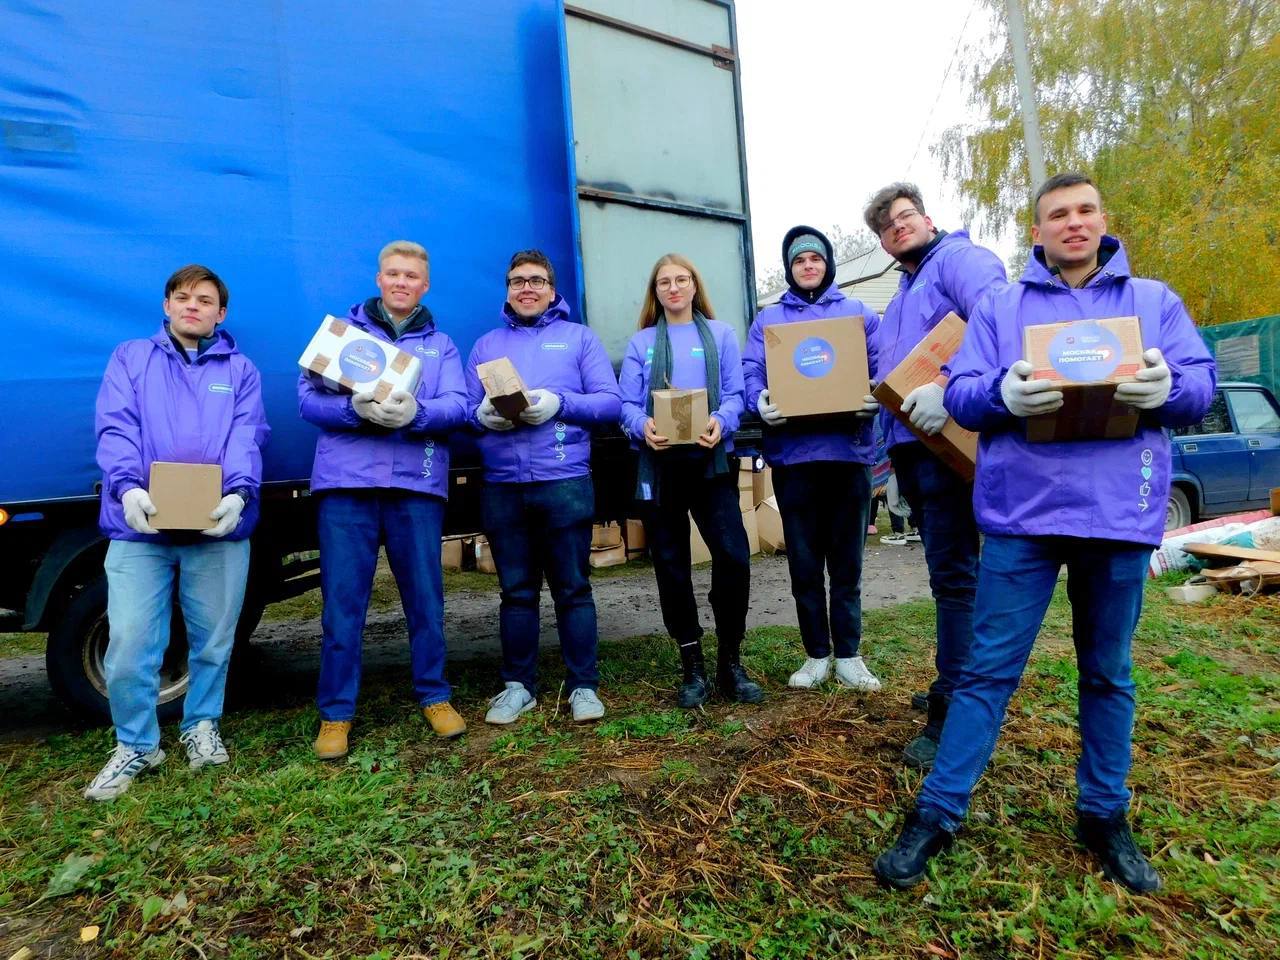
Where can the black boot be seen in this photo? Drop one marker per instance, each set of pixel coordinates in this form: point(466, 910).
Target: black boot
point(1112, 840)
point(732, 679)
point(923, 836)
point(696, 689)
point(920, 701)
point(920, 752)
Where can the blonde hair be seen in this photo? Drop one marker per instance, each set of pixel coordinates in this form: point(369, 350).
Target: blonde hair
point(404, 248)
point(651, 309)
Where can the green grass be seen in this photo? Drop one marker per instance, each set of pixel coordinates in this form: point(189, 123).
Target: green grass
point(730, 831)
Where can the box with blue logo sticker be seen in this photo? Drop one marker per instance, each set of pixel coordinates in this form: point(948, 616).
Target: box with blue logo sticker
point(1086, 360)
point(817, 366)
point(351, 360)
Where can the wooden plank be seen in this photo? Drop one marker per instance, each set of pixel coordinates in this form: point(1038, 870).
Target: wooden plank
point(1229, 554)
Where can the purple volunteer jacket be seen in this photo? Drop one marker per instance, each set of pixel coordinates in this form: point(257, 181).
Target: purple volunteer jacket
point(155, 405)
point(352, 453)
point(1105, 489)
point(688, 371)
point(797, 441)
point(552, 353)
point(953, 276)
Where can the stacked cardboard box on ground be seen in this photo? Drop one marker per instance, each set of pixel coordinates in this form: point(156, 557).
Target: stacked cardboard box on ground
point(607, 548)
point(698, 550)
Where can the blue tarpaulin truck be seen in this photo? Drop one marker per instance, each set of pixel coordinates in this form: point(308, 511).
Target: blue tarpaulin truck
point(282, 145)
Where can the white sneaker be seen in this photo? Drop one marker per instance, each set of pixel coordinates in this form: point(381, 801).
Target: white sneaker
point(125, 764)
point(507, 706)
point(852, 672)
point(813, 673)
point(204, 745)
point(585, 705)
point(912, 536)
point(894, 539)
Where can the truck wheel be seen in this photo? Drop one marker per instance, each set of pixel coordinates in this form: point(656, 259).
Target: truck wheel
point(77, 646)
point(1178, 512)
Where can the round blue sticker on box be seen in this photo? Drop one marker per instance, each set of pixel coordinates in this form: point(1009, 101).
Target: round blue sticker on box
point(814, 357)
point(362, 361)
point(1085, 351)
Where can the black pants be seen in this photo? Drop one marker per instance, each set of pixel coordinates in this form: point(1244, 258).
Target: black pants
point(824, 507)
point(684, 489)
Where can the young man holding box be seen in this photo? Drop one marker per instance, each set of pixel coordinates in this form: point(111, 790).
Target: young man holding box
point(381, 476)
point(186, 395)
point(942, 273)
point(1095, 505)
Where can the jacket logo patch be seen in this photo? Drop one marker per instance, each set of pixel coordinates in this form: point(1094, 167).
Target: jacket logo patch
point(697, 352)
point(220, 388)
point(555, 346)
point(426, 351)
point(919, 285)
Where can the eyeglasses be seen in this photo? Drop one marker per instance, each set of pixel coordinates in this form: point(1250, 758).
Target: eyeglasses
point(533, 283)
point(900, 219)
point(680, 283)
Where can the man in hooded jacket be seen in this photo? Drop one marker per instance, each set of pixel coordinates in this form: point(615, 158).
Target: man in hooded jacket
point(381, 476)
point(942, 272)
point(821, 472)
point(538, 502)
point(1095, 505)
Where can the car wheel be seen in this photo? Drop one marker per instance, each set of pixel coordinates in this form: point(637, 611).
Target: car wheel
point(1178, 512)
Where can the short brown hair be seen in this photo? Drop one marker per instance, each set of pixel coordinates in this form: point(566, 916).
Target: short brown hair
point(192, 274)
point(535, 257)
point(876, 213)
point(1060, 181)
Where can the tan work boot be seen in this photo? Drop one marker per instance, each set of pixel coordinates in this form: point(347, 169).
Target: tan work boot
point(332, 741)
point(445, 720)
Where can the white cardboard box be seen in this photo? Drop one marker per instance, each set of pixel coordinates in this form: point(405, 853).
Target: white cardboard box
point(349, 360)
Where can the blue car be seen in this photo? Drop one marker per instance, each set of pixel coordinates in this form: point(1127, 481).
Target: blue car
point(1228, 462)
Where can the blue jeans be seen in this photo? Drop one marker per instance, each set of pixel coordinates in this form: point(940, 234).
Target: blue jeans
point(140, 577)
point(352, 524)
point(534, 528)
point(1015, 584)
point(824, 506)
point(943, 504)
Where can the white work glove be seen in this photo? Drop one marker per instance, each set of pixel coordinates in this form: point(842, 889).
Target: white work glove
point(490, 418)
point(769, 411)
point(397, 411)
point(364, 406)
point(1027, 398)
point(137, 507)
point(543, 405)
point(924, 409)
point(870, 405)
point(1151, 389)
point(226, 514)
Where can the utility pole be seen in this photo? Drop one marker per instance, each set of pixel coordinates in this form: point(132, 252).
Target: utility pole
point(1026, 92)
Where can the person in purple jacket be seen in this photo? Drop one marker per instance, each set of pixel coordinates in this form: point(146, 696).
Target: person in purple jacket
point(941, 273)
point(381, 476)
point(681, 345)
point(821, 472)
point(538, 501)
point(1095, 505)
point(185, 395)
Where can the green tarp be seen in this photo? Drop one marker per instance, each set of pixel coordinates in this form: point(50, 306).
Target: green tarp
point(1248, 350)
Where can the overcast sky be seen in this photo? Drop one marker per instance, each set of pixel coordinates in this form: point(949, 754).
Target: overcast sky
point(837, 97)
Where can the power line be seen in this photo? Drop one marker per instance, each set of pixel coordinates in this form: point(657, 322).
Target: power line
point(942, 86)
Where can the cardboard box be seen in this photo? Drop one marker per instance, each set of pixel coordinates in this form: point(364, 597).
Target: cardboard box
point(484, 556)
point(633, 537)
point(769, 527)
point(503, 386)
point(699, 552)
point(184, 494)
point(451, 553)
point(746, 500)
point(746, 470)
point(753, 531)
point(955, 446)
point(605, 535)
point(762, 485)
point(680, 415)
point(608, 556)
point(1275, 502)
point(352, 361)
point(817, 366)
point(1085, 359)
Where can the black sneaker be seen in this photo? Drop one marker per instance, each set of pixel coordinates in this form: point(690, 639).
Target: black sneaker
point(735, 685)
point(920, 753)
point(1112, 840)
point(920, 701)
point(902, 865)
point(694, 692)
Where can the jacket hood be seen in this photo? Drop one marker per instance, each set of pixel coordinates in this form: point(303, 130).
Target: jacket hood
point(1111, 258)
point(830, 295)
point(218, 343)
point(369, 314)
point(808, 296)
point(558, 309)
